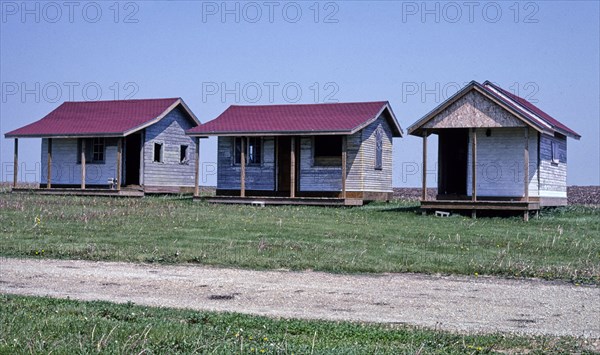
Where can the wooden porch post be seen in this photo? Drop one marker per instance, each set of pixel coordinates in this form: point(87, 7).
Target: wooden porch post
point(83, 163)
point(344, 167)
point(197, 169)
point(424, 189)
point(474, 170)
point(293, 168)
point(243, 168)
point(49, 172)
point(16, 163)
point(526, 173)
point(119, 160)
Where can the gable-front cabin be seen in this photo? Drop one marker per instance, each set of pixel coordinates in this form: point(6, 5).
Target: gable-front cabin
point(97, 147)
point(338, 153)
point(496, 151)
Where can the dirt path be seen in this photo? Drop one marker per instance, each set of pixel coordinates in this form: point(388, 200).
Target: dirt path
point(464, 304)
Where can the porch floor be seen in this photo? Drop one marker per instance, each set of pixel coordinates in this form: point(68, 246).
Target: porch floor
point(263, 201)
point(480, 205)
point(124, 192)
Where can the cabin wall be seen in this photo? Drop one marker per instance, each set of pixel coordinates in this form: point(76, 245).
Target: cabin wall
point(553, 175)
point(317, 177)
point(373, 179)
point(500, 163)
point(258, 177)
point(170, 131)
point(66, 170)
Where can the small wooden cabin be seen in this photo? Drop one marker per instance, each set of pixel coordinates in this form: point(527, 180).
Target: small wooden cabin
point(338, 153)
point(495, 151)
point(92, 147)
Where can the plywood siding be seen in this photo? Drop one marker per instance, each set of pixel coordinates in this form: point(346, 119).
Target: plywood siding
point(553, 175)
point(66, 171)
point(258, 177)
point(500, 163)
point(170, 131)
point(474, 110)
point(374, 179)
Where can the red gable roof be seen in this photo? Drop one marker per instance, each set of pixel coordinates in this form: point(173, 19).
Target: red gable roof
point(99, 118)
point(531, 108)
point(340, 118)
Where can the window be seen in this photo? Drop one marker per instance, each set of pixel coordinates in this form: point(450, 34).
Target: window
point(327, 150)
point(183, 154)
point(555, 153)
point(378, 149)
point(253, 150)
point(94, 150)
point(158, 152)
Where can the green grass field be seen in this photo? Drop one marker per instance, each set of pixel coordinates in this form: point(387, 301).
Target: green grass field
point(44, 325)
point(563, 243)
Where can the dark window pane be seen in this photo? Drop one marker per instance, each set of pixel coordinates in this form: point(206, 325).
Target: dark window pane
point(328, 146)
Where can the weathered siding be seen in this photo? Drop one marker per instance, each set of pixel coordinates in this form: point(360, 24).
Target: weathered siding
point(373, 179)
point(315, 177)
point(474, 110)
point(66, 170)
point(170, 131)
point(553, 176)
point(500, 163)
point(258, 177)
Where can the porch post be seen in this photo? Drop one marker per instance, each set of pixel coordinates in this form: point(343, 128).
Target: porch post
point(424, 189)
point(16, 163)
point(474, 165)
point(197, 169)
point(83, 163)
point(243, 168)
point(119, 158)
point(344, 167)
point(49, 172)
point(293, 168)
point(526, 166)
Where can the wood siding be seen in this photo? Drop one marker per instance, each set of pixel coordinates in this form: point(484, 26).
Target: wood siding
point(258, 177)
point(170, 131)
point(374, 179)
point(553, 176)
point(471, 111)
point(66, 170)
point(500, 163)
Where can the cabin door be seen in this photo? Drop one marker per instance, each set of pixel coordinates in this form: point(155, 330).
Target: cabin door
point(284, 164)
point(452, 154)
point(133, 146)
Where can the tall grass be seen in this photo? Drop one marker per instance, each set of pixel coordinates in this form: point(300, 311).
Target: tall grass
point(564, 243)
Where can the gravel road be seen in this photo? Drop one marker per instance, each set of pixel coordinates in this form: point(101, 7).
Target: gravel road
point(462, 304)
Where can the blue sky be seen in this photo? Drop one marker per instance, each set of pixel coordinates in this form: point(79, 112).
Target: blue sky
point(214, 54)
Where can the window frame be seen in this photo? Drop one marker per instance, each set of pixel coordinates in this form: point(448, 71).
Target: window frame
point(554, 153)
point(185, 149)
point(251, 143)
point(320, 159)
point(162, 152)
point(378, 149)
point(90, 150)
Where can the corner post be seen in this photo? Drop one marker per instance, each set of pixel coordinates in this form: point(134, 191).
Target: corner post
point(83, 163)
point(197, 169)
point(474, 165)
point(243, 167)
point(293, 168)
point(424, 189)
point(119, 161)
point(344, 167)
point(16, 163)
point(49, 172)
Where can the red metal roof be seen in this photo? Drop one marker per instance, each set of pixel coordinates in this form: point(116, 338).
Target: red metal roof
point(528, 106)
point(112, 118)
point(342, 118)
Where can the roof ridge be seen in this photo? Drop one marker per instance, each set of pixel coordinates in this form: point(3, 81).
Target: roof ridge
point(316, 104)
point(125, 100)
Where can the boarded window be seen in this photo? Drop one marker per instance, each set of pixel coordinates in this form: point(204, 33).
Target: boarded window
point(252, 148)
point(94, 150)
point(183, 154)
point(378, 149)
point(555, 153)
point(327, 150)
point(158, 152)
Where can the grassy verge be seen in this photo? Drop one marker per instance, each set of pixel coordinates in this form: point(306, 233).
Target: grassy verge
point(563, 244)
point(31, 324)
